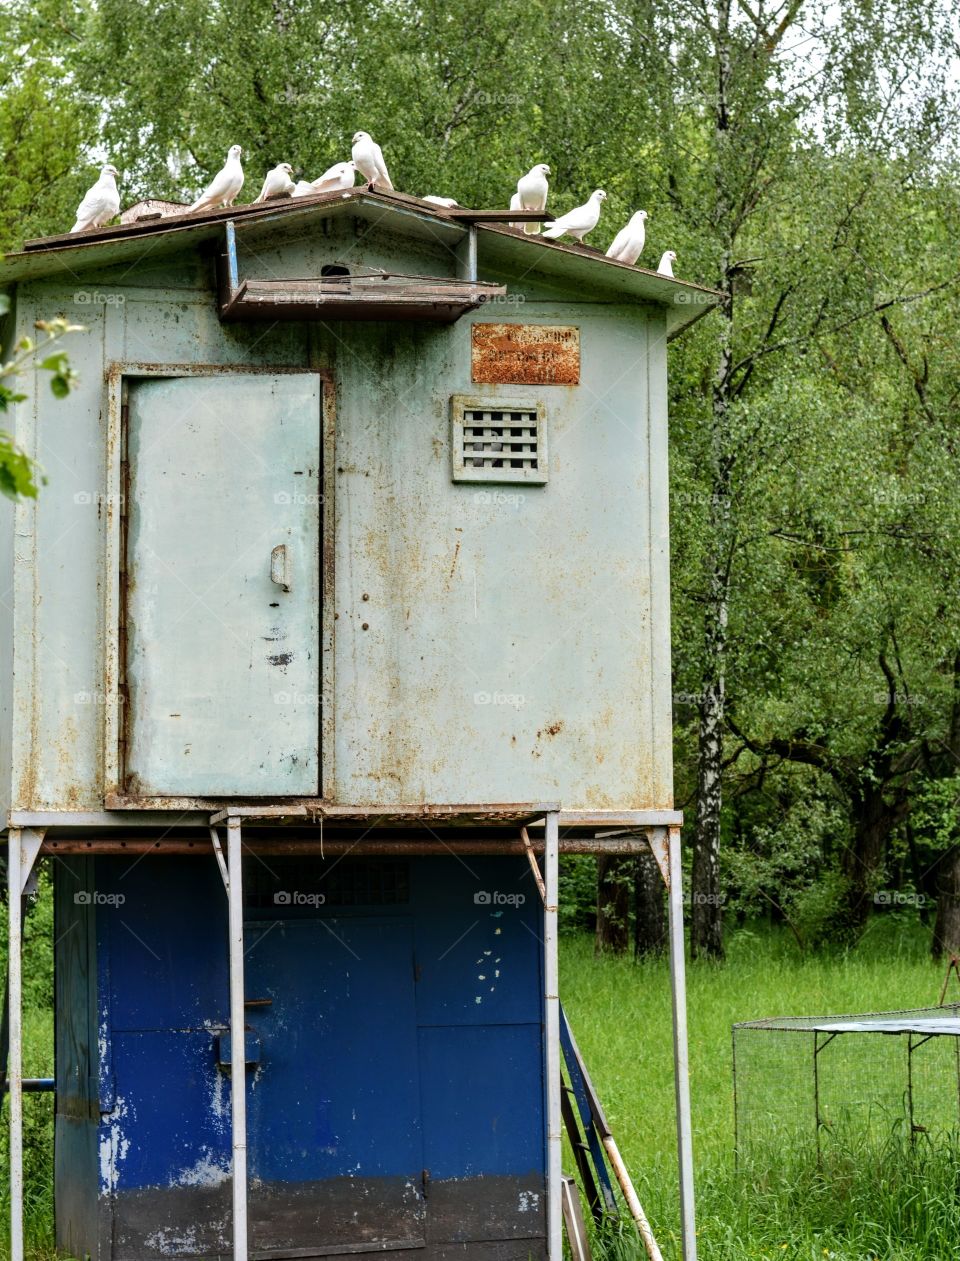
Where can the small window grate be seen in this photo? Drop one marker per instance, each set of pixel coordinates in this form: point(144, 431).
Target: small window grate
point(500, 439)
point(502, 442)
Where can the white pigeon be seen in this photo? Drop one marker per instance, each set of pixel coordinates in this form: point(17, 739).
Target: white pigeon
point(278, 183)
point(368, 156)
point(225, 186)
point(101, 202)
point(340, 175)
point(532, 190)
point(515, 205)
point(665, 266)
point(628, 243)
point(441, 201)
point(578, 222)
point(303, 188)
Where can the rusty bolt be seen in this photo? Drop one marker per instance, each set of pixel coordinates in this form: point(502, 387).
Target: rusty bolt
point(365, 626)
point(365, 596)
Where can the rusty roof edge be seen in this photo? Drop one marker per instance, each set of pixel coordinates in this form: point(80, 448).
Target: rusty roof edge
point(590, 254)
point(652, 286)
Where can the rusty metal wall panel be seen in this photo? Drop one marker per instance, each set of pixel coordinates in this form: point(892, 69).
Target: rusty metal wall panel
point(516, 640)
point(58, 684)
point(222, 601)
point(525, 354)
point(496, 641)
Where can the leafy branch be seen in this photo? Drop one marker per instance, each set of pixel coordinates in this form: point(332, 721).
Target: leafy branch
point(18, 472)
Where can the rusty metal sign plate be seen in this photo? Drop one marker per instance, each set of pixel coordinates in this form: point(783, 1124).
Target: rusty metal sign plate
point(525, 354)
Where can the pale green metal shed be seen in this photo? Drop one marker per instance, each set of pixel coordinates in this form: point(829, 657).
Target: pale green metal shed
point(357, 520)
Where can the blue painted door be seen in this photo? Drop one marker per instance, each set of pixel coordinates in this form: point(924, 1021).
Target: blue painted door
point(223, 585)
point(334, 1128)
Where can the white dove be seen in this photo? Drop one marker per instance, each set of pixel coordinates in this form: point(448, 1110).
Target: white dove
point(578, 222)
point(303, 188)
point(665, 266)
point(628, 243)
point(278, 183)
point(441, 201)
point(532, 190)
point(340, 175)
point(369, 159)
point(225, 186)
point(101, 202)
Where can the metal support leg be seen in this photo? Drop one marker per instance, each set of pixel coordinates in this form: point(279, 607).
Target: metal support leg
point(23, 846)
point(232, 874)
point(681, 1057)
point(551, 879)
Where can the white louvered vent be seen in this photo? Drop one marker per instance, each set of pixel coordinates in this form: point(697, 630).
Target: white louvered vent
point(498, 441)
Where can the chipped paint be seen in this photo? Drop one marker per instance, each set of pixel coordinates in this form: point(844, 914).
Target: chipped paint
point(114, 1145)
point(209, 1170)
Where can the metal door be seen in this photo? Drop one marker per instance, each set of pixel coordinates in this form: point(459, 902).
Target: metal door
point(222, 598)
point(333, 1125)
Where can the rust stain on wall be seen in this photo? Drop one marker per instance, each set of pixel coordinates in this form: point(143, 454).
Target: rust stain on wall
point(525, 354)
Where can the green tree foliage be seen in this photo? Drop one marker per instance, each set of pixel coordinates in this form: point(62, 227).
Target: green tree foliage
point(800, 159)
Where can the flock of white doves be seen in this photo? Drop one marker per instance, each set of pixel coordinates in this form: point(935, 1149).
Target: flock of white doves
point(102, 201)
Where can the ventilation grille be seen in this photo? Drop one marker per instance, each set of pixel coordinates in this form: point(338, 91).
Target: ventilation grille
point(498, 442)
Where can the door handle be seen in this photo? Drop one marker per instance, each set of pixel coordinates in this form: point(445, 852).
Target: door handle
point(280, 566)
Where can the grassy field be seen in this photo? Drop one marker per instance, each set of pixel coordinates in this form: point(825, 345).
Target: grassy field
point(894, 1208)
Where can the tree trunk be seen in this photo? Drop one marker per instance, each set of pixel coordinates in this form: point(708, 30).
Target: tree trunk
point(864, 860)
point(650, 913)
point(706, 921)
point(946, 928)
point(614, 875)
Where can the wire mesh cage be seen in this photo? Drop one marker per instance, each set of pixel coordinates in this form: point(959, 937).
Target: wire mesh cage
point(809, 1088)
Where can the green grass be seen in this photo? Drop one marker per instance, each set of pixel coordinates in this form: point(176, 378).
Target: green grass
point(37, 1143)
point(884, 1204)
point(881, 1204)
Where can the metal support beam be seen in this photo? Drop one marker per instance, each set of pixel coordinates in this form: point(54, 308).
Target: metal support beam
point(551, 976)
point(467, 255)
point(238, 1072)
point(23, 846)
point(681, 1056)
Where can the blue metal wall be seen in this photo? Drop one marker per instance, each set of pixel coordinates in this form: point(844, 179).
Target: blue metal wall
point(395, 1021)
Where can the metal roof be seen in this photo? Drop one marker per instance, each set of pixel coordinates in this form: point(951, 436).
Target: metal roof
point(499, 246)
point(930, 1021)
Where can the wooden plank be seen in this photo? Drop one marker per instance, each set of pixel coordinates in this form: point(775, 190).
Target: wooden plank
point(500, 216)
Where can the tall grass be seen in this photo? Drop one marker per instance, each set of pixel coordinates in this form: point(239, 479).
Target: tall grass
point(891, 1201)
point(887, 1201)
